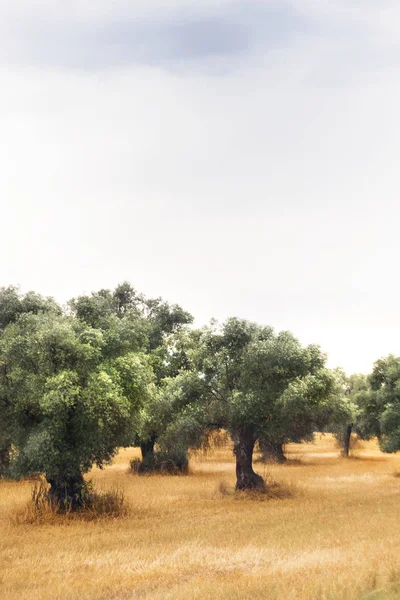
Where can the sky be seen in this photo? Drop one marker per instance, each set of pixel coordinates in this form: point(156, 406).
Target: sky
point(238, 157)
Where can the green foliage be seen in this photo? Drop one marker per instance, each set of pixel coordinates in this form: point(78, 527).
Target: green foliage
point(73, 387)
point(71, 404)
point(246, 370)
point(381, 403)
point(174, 419)
point(128, 317)
point(254, 383)
point(118, 368)
point(13, 304)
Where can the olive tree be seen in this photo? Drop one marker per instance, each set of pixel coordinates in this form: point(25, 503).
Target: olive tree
point(285, 427)
point(380, 404)
point(73, 404)
point(157, 325)
point(348, 416)
point(170, 422)
point(251, 379)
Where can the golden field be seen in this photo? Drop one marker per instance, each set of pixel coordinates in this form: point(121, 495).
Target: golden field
point(331, 530)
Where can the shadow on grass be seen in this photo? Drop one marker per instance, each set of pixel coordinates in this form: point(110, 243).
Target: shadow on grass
point(366, 458)
point(274, 490)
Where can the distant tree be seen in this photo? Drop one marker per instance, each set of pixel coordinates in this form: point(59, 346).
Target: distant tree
point(272, 448)
point(171, 423)
point(249, 376)
point(172, 408)
point(380, 405)
point(332, 412)
point(72, 402)
point(348, 419)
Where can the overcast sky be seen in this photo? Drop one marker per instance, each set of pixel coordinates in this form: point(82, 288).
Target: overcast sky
point(238, 157)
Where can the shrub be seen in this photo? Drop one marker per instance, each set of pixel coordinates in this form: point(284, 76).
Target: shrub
point(173, 463)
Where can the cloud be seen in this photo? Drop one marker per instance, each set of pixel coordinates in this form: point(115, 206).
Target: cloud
point(212, 37)
point(161, 35)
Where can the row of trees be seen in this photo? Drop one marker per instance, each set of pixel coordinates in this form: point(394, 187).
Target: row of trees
point(115, 368)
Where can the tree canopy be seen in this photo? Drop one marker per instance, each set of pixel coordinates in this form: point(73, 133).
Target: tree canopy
point(72, 392)
point(381, 403)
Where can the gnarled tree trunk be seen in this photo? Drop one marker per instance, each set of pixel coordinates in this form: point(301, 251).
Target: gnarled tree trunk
point(272, 451)
point(347, 440)
point(246, 479)
point(147, 450)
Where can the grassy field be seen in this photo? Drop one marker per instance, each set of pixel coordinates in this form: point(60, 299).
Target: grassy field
point(331, 532)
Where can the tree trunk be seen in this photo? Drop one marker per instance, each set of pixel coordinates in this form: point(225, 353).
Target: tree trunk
point(4, 459)
point(347, 440)
point(147, 462)
point(147, 450)
point(246, 478)
point(272, 451)
point(68, 492)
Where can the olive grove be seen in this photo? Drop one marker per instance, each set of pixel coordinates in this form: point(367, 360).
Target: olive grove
point(114, 368)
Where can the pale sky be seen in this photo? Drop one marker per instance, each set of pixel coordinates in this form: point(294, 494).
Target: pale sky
point(238, 157)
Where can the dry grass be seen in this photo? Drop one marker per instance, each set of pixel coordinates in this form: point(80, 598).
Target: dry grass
point(335, 535)
point(41, 510)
